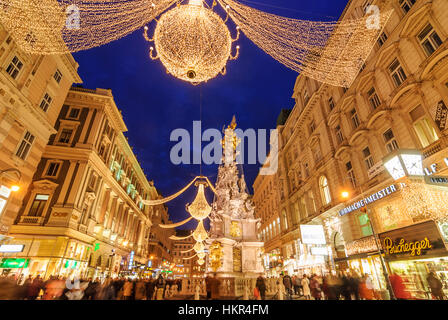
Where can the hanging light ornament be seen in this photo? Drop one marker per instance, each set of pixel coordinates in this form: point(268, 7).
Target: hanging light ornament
point(201, 262)
point(192, 42)
point(199, 209)
point(201, 255)
point(199, 247)
point(200, 234)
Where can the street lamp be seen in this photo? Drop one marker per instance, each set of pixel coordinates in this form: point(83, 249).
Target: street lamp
point(404, 163)
point(14, 187)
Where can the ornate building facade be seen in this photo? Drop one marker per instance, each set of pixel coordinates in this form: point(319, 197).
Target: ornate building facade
point(83, 213)
point(32, 91)
point(335, 139)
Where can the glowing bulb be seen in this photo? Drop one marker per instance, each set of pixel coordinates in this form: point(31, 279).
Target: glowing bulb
point(15, 188)
point(345, 194)
point(146, 28)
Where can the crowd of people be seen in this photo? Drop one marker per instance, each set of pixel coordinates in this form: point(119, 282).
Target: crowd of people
point(58, 288)
point(344, 286)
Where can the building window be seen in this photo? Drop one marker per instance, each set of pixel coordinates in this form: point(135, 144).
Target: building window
point(317, 153)
point(46, 101)
point(331, 103)
point(406, 5)
point(92, 182)
point(306, 98)
point(38, 205)
point(312, 202)
point(52, 169)
point(324, 190)
point(368, 159)
point(351, 173)
point(429, 40)
point(397, 73)
point(339, 135)
point(364, 223)
point(4, 196)
point(65, 136)
point(303, 207)
point(307, 170)
point(382, 39)
point(389, 139)
point(14, 67)
point(354, 118)
point(57, 76)
point(312, 127)
point(426, 133)
point(373, 98)
point(74, 113)
point(25, 146)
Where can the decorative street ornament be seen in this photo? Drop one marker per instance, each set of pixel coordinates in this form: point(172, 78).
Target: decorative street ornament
point(201, 262)
point(199, 209)
point(201, 255)
point(200, 234)
point(192, 42)
point(198, 247)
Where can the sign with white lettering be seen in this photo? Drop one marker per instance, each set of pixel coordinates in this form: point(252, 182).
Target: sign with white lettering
point(312, 234)
point(437, 180)
point(372, 198)
point(319, 251)
point(441, 115)
point(10, 248)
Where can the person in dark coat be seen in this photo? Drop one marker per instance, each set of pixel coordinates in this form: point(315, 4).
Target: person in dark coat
point(261, 286)
point(353, 282)
point(208, 287)
point(436, 286)
point(287, 282)
point(149, 289)
point(215, 288)
point(345, 289)
point(34, 288)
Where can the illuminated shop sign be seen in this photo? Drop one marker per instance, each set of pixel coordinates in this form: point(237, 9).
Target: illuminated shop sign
point(14, 263)
point(436, 180)
point(312, 234)
point(11, 248)
point(413, 247)
point(131, 260)
point(434, 168)
point(413, 241)
point(372, 198)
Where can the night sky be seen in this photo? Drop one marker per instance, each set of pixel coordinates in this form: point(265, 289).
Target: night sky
point(154, 103)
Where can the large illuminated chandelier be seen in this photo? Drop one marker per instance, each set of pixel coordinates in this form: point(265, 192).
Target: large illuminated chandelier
point(199, 210)
point(190, 39)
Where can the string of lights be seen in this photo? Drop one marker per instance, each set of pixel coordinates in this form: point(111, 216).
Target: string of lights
point(63, 26)
point(330, 52)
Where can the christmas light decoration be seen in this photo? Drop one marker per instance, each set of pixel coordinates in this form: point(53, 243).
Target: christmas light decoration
point(64, 26)
point(201, 262)
point(330, 52)
point(423, 201)
point(199, 209)
point(192, 42)
point(200, 234)
point(363, 245)
point(199, 247)
point(201, 255)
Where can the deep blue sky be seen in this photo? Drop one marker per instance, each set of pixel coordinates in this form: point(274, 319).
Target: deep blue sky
point(154, 103)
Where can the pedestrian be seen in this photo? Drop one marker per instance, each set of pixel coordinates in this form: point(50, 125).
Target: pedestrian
point(140, 290)
point(436, 286)
point(33, 290)
point(399, 287)
point(345, 290)
point(365, 288)
point(353, 281)
point(287, 282)
point(306, 287)
point(316, 290)
point(208, 286)
point(150, 289)
point(127, 289)
point(261, 286)
point(160, 285)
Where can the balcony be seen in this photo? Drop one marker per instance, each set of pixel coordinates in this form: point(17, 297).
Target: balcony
point(31, 220)
point(435, 147)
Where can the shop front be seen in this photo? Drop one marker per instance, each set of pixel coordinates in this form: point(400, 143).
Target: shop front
point(413, 252)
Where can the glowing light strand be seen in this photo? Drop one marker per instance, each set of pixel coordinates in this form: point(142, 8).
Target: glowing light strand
point(330, 52)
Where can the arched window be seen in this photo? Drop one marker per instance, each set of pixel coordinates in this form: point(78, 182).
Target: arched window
point(285, 220)
point(324, 190)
